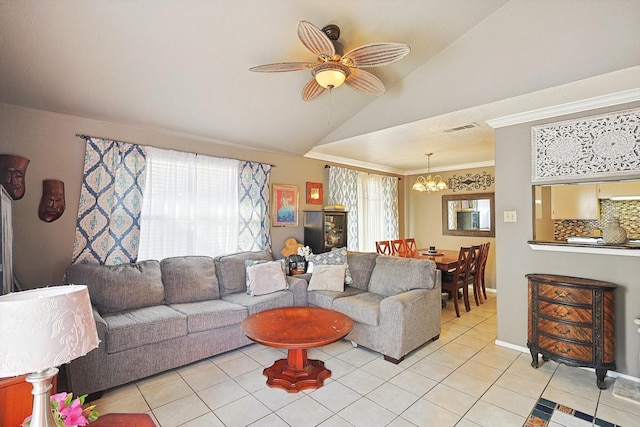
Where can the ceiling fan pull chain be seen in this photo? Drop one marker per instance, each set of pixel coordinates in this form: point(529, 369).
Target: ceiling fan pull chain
point(329, 106)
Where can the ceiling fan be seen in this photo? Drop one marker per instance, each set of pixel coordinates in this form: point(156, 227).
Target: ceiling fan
point(332, 68)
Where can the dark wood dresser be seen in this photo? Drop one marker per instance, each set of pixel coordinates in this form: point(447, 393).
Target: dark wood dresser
point(572, 321)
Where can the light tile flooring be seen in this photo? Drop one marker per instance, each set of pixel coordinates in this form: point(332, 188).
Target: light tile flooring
point(463, 379)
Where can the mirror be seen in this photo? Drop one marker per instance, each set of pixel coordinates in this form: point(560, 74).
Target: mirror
point(468, 215)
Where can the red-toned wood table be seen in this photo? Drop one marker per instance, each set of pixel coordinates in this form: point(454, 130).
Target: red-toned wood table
point(446, 259)
point(297, 329)
point(123, 420)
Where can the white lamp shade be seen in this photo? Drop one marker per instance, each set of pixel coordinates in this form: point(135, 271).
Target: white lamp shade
point(45, 327)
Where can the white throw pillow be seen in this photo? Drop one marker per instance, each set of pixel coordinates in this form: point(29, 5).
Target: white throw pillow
point(266, 278)
point(327, 278)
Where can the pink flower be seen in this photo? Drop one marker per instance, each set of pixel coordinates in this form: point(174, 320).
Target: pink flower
point(60, 398)
point(73, 414)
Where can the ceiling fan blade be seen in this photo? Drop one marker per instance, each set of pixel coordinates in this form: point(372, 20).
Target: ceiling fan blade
point(315, 40)
point(375, 54)
point(365, 82)
point(311, 90)
point(283, 66)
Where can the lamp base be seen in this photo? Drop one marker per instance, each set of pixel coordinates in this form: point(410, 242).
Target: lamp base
point(41, 415)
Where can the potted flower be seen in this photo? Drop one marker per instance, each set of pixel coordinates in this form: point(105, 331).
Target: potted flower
point(298, 263)
point(68, 412)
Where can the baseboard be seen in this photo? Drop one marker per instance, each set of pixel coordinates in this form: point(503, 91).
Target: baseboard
point(521, 349)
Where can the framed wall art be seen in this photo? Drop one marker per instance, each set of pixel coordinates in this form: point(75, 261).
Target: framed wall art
point(285, 205)
point(587, 148)
point(314, 193)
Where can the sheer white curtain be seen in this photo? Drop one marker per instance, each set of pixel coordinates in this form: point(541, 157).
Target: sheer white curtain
point(370, 203)
point(190, 205)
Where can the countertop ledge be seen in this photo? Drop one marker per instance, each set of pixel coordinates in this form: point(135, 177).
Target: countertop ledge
point(588, 248)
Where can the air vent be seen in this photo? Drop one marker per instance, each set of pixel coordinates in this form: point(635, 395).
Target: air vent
point(459, 128)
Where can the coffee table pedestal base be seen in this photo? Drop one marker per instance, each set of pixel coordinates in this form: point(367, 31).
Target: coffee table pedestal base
point(296, 372)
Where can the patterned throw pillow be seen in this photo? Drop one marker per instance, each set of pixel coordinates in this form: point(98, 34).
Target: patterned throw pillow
point(251, 262)
point(335, 257)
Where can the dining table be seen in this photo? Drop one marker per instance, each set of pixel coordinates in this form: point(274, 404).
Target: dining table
point(445, 259)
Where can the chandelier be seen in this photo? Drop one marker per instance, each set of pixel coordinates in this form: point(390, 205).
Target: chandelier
point(430, 183)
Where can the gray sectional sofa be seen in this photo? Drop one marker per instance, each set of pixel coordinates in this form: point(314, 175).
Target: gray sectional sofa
point(153, 316)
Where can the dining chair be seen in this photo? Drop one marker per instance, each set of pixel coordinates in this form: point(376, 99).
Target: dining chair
point(475, 255)
point(481, 289)
point(399, 248)
point(412, 249)
point(459, 280)
point(383, 247)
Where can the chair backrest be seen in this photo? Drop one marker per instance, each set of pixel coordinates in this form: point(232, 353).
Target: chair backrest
point(467, 268)
point(412, 250)
point(398, 248)
point(474, 263)
point(462, 266)
point(383, 247)
point(484, 256)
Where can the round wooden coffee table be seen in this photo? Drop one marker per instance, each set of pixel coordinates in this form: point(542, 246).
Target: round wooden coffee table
point(296, 329)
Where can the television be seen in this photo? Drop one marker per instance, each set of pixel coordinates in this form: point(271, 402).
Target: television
point(6, 248)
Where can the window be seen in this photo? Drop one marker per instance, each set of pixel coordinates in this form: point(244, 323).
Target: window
point(190, 205)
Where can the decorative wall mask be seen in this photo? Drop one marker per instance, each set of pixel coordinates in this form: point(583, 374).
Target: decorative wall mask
point(587, 148)
point(13, 170)
point(52, 203)
point(471, 182)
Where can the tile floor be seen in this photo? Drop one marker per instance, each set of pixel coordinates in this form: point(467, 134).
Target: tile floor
point(463, 379)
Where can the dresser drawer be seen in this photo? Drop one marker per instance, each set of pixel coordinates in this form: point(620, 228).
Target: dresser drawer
point(577, 352)
point(565, 330)
point(565, 294)
point(566, 312)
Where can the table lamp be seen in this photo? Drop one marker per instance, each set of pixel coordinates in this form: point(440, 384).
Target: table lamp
point(41, 329)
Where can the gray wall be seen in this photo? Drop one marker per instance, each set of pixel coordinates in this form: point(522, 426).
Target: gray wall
point(514, 257)
point(42, 251)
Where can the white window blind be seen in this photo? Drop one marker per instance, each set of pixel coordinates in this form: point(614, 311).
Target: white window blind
point(190, 205)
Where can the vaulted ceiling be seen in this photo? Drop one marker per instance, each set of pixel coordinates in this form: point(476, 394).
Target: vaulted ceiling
point(184, 67)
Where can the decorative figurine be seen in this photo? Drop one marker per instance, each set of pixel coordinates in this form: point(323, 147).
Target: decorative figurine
point(13, 169)
point(52, 203)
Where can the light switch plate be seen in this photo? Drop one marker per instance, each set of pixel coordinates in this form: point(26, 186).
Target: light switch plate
point(510, 216)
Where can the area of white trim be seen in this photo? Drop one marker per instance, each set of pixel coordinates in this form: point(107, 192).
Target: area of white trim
point(585, 249)
point(354, 163)
point(511, 346)
point(631, 95)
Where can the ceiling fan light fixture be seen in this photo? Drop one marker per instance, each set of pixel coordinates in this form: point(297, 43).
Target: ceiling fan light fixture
point(330, 74)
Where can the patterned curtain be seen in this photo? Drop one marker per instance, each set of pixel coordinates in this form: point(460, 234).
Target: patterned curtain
point(343, 190)
point(390, 207)
point(108, 226)
point(254, 206)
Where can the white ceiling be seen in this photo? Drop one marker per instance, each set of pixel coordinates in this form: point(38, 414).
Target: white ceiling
point(184, 67)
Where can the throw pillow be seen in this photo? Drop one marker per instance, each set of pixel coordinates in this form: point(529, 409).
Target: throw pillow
point(327, 278)
point(265, 278)
point(335, 257)
point(248, 263)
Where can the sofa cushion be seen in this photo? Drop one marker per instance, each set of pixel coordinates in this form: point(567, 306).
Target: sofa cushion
point(393, 275)
point(189, 279)
point(142, 326)
point(121, 287)
point(334, 257)
point(361, 265)
point(363, 307)
point(212, 314)
point(265, 278)
point(230, 270)
point(251, 262)
point(325, 299)
point(261, 302)
point(327, 278)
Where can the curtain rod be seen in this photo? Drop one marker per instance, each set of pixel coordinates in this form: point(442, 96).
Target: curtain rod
point(85, 137)
point(399, 177)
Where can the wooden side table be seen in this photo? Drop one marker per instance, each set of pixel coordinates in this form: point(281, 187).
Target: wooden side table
point(123, 420)
point(16, 400)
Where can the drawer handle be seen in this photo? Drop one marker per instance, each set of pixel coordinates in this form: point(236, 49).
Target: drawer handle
point(562, 294)
point(561, 349)
point(562, 331)
point(561, 311)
